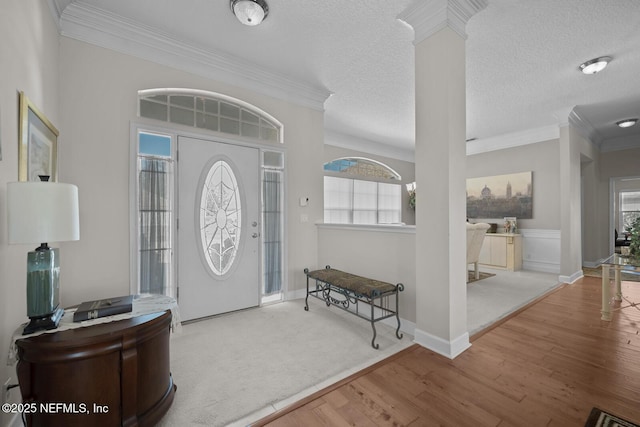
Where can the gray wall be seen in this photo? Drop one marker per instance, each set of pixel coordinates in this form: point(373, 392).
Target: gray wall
point(29, 63)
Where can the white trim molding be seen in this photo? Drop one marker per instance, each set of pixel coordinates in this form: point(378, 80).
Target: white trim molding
point(428, 17)
point(87, 23)
point(572, 278)
point(450, 349)
point(510, 140)
point(385, 228)
point(541, 250)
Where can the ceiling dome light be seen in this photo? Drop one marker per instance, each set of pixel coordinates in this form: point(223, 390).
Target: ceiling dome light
point(627, 123)
point(250, 12)
point(595, 65)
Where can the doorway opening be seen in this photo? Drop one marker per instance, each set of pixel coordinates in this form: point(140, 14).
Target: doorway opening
point(154, 231)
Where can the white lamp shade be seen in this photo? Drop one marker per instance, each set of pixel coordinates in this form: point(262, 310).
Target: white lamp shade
point(249, 12)
point(42, 212)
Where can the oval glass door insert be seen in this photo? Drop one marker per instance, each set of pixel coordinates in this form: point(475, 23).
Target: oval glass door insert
point(220, 217)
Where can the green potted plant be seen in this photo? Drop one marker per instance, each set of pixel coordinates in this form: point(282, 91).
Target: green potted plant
point(634, 237)
point(412, 199)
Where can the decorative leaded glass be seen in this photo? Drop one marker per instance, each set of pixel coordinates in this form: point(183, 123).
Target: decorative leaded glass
point(358, 166)
point(220, 217)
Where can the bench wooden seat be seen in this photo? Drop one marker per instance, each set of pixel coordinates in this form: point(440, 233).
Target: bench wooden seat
point(347, 291)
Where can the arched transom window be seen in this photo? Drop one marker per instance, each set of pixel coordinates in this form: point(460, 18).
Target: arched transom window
point(209, 110)
point(359, 166)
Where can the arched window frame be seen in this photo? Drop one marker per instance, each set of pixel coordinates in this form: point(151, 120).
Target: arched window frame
point(240, 118)
point(360, 161)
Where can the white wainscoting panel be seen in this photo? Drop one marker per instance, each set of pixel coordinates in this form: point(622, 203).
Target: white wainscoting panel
point(541, 250)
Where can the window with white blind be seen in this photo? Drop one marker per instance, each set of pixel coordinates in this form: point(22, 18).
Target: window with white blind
point(354, 201)
point(338, 200)
point(389, 203)
point(629, 208)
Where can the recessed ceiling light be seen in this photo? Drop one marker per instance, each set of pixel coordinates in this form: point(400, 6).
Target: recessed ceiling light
point(627, 123)
point(595, 65)
point(250, 12)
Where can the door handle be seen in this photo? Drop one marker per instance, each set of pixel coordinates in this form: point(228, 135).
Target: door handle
point(255, 235)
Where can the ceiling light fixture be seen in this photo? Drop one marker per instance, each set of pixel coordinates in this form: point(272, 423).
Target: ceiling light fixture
point(627, 123)
point(595, 65)
point(250, 12)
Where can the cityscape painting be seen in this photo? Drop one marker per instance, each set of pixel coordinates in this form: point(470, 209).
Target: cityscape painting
point(500, 196)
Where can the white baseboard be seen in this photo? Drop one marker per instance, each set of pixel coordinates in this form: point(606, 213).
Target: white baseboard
point(572, 278)
point(450, 349)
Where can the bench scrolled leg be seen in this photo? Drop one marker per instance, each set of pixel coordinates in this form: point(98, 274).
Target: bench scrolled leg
point(399, 288)
point(373, 340)
point(306, 300)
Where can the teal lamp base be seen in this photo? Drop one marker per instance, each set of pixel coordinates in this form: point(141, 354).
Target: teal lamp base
point(43, 289)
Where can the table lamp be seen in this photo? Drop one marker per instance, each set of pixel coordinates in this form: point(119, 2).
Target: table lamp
point(42, 212)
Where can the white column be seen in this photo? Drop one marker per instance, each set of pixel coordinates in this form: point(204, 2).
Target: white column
point(440, 156)
point(570, 206)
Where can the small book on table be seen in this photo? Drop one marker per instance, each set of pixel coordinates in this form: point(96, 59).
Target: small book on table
point(104, 307)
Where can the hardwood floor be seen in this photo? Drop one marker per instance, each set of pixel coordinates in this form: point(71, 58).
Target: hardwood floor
point(548, 365)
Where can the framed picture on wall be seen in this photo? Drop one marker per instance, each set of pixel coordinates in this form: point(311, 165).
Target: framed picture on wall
point(38, 144)
point(500, 196)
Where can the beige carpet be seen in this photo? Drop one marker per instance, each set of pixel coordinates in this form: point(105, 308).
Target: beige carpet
point(497, 296)
point(471, 275)
point(236, 364)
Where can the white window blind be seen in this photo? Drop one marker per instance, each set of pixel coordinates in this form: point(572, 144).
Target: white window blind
point(389, 203)
point(354, 201)
point(338, 200)
point(365, 202)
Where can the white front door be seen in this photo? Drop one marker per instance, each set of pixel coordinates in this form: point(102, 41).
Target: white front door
point(218, 228)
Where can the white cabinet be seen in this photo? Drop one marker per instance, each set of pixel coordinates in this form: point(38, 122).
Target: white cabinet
point(501, 250)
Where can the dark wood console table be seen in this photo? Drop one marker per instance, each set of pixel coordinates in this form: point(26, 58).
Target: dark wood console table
point(110, 374)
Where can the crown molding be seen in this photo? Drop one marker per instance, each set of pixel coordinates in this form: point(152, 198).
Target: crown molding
point(586, 129)
point(89, 24)
point(511, 140)
point(57, 7)
point(428, 17)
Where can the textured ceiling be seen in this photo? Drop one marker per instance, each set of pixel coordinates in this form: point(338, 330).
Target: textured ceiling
point(522, 59)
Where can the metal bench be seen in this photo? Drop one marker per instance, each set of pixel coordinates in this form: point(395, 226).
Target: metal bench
point(346, 291)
